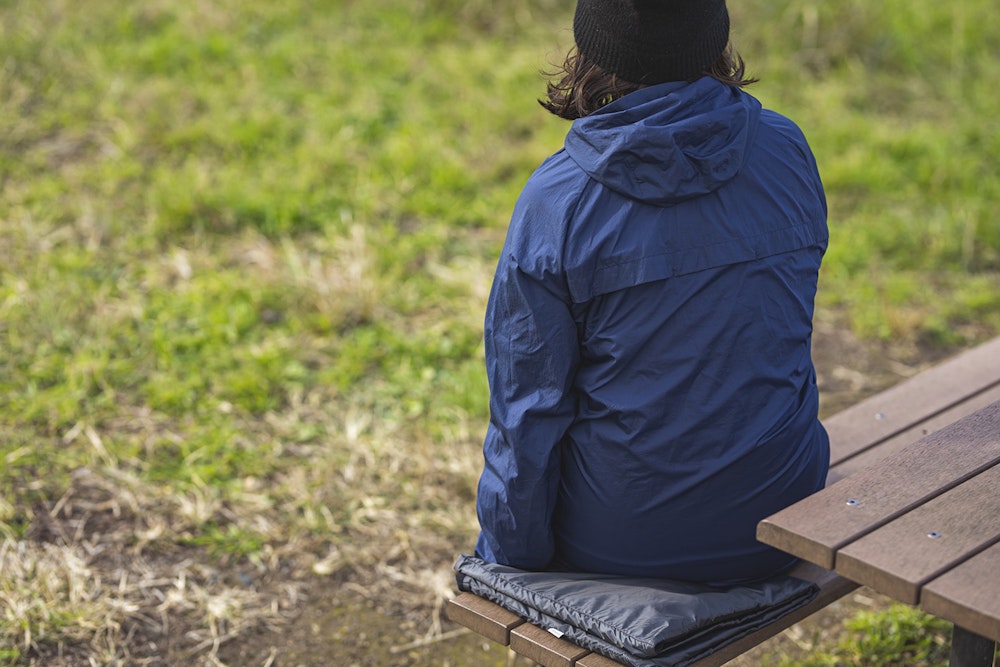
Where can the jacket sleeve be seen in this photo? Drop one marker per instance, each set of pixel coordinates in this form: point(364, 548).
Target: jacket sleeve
point(531, 359)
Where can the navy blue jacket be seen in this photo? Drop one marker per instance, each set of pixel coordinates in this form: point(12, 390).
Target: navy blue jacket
point(652, 392)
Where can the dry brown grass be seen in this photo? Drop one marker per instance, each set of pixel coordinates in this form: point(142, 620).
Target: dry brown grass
point(106, 574)
point(98, 581)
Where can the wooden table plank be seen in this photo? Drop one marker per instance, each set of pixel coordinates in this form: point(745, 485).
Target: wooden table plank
point(906, 405)
point(905, 438)
point(969, 594)
point(544, 648)
point(901, 556)
point(816, 527)
point(479, 614)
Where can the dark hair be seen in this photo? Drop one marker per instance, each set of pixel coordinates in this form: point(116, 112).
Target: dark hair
point(581, 87)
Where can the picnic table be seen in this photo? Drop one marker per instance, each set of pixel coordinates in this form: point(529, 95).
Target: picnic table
point(907, 510)
point(921, 526)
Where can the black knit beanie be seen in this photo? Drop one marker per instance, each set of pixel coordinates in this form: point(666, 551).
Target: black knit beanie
point(652, 41)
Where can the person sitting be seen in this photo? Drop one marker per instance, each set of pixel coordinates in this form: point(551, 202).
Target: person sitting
point(648, 330)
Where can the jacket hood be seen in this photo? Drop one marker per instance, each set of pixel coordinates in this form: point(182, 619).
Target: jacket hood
point(668, 142)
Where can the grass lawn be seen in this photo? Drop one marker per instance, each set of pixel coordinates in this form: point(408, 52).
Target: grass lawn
point(245, 249)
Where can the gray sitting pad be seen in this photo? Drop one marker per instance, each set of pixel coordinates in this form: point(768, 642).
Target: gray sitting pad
point(637, 621)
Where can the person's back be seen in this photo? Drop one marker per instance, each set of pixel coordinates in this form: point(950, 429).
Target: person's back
point(648, 338)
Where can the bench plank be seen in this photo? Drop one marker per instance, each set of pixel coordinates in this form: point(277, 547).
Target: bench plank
point(919, 545)
point(479, 614)
point(544, 648)
point(861, 501)
point(969, 594)
point(596, 660)
point(911, 402)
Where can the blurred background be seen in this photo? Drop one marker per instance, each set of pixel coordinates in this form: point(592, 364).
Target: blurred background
point(245, 249)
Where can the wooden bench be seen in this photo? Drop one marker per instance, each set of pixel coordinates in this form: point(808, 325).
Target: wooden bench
point(861, 435)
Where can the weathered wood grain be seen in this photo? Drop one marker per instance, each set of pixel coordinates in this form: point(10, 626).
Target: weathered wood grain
point(480, 615)
point(969, 594)
point(906, 405)
point(815, 528)
point(546, 649)
point(901, 556)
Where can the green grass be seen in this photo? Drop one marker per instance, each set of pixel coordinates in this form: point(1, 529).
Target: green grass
point(245, 248)
point(898, 635)
point(896, 102)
